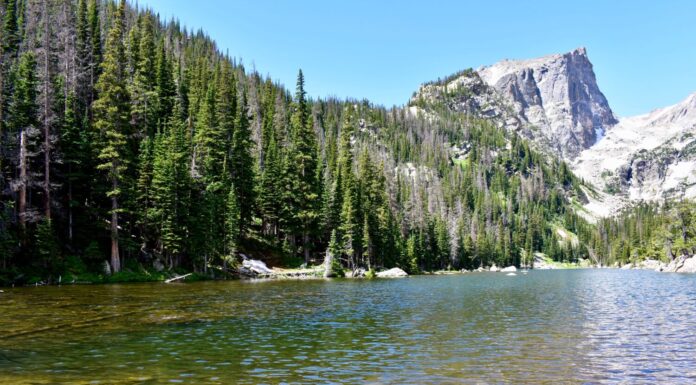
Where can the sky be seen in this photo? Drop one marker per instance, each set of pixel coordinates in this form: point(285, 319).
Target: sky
point(643, 52)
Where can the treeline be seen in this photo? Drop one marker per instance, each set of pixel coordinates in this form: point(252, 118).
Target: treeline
point(656, 231)
point(134, 141)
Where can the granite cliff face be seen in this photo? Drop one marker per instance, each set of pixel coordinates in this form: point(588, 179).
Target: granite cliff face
point(558, 95)
point(553, 101)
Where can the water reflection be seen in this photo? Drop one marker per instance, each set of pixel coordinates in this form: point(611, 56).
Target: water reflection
point(545, 327)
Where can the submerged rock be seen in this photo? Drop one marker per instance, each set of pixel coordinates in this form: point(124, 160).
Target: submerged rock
point(508, 269)
point(392, 273)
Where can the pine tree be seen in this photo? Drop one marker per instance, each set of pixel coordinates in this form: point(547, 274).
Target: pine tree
point(10, 29)
point(270, 188)
point(301, 165)
point(95, 46)
point(243, 177)
point(232, 222)
point(23, 120)
point(112, 121)
point(171, 187)
point(143, 90)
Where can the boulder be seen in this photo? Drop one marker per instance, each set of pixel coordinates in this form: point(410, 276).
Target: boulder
point(627, 266)
point(256, 266)
point(508, 269)
point(675, 265)
point(689, 266)
point(392, 273)
point(494, 268)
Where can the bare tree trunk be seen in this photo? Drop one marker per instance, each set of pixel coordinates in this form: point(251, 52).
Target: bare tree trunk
point(115, 258)
point(46, 117)
point(22, 199)
point(70, 208)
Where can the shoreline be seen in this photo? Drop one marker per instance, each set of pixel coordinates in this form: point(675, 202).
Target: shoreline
point(678, 265)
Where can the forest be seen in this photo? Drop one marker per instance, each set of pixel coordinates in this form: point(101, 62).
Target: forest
point(129, 144)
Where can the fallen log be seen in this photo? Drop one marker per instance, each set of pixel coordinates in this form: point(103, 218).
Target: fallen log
point(170, 280)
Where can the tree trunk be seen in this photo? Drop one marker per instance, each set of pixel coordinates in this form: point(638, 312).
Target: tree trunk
point(46, 120)
point(22, 199)
point(305, 246)
point(70, 208)
point(115, 258)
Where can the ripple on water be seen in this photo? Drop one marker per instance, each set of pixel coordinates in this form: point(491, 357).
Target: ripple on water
point(595, 326)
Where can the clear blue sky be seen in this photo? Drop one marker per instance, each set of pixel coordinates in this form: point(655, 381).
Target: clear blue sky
point(644, 52)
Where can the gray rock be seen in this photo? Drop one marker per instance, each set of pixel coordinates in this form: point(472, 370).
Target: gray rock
point(558, 95)
point(689, 265)
point(392, 273)
point(256, 266)
point(508, 269)
point(494, 268)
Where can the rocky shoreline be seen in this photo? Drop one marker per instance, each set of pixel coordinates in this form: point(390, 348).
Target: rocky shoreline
point(681, 264)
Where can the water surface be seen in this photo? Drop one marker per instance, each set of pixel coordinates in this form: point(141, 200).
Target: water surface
point(579, 326)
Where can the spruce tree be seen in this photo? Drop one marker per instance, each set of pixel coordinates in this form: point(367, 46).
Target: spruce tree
point(301, 165)
point(243, 165)
point(232, 222)
point(112, 111)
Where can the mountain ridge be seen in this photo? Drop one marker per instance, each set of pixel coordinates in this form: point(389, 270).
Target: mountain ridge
point(555, 102)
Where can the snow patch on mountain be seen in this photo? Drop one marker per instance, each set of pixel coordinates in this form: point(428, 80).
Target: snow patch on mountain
point(648, 157)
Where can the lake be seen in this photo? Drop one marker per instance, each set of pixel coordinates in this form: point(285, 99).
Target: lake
point(572, 326)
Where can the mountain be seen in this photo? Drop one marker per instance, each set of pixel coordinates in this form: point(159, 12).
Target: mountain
point(556, 95)
point(648, 157)
point(555, 102)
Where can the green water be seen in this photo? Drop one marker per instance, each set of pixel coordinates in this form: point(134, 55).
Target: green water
point(581, 326)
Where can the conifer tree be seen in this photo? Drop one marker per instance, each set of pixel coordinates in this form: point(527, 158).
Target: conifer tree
point(270, 187)
point(23, 122)
point(112, 111)
point(243, 165)
point(302, 192)
point(232, 222)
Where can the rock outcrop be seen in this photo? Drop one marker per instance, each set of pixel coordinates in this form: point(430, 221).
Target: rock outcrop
point(392, 273)
point(681, 264)
point(648, 157)
point(557, 96)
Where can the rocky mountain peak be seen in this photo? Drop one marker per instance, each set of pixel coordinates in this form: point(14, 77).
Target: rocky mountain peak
point(557, 96)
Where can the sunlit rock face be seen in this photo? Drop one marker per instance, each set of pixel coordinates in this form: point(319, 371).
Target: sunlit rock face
point(557, 96)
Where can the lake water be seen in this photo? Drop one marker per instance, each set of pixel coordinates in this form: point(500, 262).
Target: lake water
point(574, 326)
